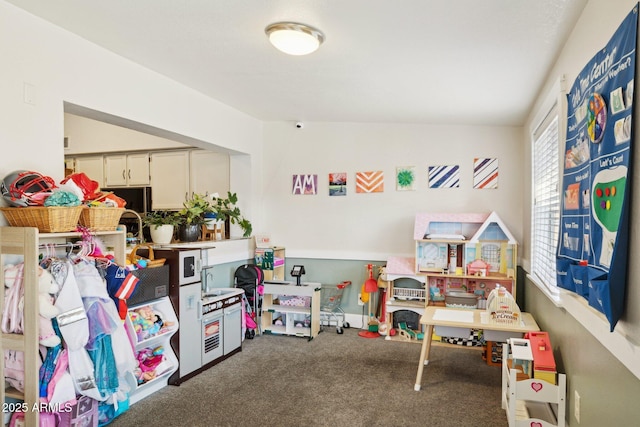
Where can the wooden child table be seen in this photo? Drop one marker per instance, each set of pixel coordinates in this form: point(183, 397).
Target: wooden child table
point(462, 318)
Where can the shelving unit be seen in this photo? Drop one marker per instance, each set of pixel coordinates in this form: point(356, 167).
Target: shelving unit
point(23, 242)
point(531, 402)
point(272, 261)
point(169, 365)
point(296, 320)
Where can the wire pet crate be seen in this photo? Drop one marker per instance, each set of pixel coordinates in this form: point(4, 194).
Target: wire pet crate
point(330, 311)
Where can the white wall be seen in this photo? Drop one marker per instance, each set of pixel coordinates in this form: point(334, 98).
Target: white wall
point(61, 67)
point(93, 136)
point(373, 226)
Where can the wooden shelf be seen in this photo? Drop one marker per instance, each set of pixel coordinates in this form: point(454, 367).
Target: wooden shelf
point(267, 258)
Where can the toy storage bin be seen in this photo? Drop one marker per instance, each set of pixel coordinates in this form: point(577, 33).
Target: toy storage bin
point(83, 414)
point(53, 219)
point(294, 301)
point(297, 324)
point(100, 218)
point(453, 332)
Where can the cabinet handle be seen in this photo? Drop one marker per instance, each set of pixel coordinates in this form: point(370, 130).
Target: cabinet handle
point(129, 174)
point(123, 174)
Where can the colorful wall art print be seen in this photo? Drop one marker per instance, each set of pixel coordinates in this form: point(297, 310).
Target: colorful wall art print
point(593, 251)
point(305, 184)
point(338, 184)
point(406, 178)
point(444, 176)
point(370, 182)
point(485, 173)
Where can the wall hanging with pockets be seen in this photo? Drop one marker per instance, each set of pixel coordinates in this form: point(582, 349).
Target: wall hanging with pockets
point(594, 221)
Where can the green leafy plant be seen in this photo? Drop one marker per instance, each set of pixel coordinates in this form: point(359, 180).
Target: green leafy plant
point(226, 209)
point(193, 210)
point(158, 218)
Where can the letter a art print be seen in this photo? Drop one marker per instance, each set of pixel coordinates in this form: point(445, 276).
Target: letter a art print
point(305, 184)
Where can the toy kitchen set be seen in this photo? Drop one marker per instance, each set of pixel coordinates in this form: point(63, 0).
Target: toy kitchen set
point(210, 317)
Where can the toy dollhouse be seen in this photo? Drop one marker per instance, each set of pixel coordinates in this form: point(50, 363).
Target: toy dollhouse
point(470, 253)
point(455, 255)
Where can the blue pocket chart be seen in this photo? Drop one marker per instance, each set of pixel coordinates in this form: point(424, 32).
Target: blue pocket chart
point(594, 218)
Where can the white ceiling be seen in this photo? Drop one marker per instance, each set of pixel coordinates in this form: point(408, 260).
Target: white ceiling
point(404, 61)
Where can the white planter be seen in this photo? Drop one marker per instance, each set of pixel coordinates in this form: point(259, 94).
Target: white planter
point(161, 234)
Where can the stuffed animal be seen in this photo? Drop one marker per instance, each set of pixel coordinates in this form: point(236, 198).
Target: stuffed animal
point(47, 287)
point(145, 323)
point(383, 283)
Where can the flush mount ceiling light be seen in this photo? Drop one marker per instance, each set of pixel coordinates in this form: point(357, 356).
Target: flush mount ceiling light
point(293, 38)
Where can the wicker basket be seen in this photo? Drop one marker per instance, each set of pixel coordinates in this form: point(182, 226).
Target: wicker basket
point(51, 219)
point(151, 260)
point(101, 219)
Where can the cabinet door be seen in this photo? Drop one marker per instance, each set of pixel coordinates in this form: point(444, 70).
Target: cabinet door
point(93, 167)
point(115, 170)
point(209, 172)
point(138, 169)
point(169, 179)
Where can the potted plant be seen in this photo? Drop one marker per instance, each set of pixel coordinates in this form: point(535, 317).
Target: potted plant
point(226, 209)
point(161, 225)
point(191, 217)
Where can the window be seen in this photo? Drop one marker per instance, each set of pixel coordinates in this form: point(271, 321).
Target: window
point(546, 199)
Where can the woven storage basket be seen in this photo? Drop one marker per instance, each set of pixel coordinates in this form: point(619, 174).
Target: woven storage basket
point(151, 260)
point(101, 219)
point(50, 219)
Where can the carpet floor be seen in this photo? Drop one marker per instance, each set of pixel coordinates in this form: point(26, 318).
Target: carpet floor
point(332, 380)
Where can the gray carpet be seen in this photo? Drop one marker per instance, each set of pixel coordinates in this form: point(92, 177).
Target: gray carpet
point(333, 380)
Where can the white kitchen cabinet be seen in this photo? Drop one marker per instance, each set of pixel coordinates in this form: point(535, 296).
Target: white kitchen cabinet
point(92, 166)
point(158, 341)
point(288, 309)
point(126, 169)
point(209, 172)
point(169, 179)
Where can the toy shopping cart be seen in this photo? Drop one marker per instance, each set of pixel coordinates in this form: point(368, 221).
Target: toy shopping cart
point(330, 311)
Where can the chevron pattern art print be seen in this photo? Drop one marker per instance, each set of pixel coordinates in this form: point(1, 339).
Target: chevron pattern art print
point(370, 182)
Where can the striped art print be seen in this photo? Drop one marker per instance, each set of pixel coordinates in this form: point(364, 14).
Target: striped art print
point(444, 176)
point(485, 173)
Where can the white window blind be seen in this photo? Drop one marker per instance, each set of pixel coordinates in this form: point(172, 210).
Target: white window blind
point(546, 199)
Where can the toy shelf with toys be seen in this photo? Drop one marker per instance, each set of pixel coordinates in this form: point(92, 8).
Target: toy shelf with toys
point(150, 326)
point(288, 309)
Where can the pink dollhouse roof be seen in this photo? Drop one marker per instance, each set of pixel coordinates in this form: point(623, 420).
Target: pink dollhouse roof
point(401, 265)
